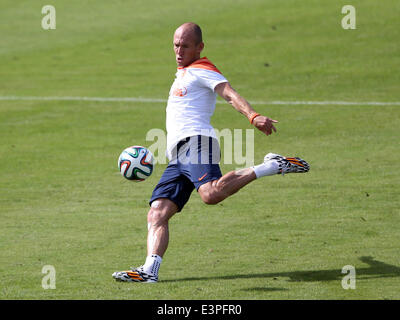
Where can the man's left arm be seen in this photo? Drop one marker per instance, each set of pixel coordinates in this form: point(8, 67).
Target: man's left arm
point(261, 122)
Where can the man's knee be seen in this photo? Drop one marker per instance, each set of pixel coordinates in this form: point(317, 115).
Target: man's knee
point(160, 212)
point(156, 216)
point(210, 196)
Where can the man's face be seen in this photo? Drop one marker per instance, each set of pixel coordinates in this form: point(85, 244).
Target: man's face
point(186, 49)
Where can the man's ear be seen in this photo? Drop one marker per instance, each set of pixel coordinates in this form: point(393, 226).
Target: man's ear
point(201, 46)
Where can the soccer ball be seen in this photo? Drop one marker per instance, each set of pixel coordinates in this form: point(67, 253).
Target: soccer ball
point(136, 163)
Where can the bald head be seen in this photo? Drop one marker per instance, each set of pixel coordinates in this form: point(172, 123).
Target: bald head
point(188, 44)
point(190, 30)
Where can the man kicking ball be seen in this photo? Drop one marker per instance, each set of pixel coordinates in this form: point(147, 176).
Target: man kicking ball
point(193, 149)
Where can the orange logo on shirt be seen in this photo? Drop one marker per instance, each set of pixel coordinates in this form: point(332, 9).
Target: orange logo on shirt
point(180, 92)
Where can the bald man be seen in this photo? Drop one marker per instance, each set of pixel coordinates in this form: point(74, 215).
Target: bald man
point(193, 150)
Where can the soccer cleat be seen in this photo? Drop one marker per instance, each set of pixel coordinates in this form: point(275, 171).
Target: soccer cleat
point(134, 275)
point(288, 165)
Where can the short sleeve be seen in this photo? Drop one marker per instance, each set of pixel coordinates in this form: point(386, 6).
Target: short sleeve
point(209, 79)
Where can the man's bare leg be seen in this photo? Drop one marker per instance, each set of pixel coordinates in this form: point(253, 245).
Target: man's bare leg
point(157, 222)
point(217, 190)
point(160, 212)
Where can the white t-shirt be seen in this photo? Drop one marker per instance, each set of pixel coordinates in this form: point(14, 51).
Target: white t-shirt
point(191, 102)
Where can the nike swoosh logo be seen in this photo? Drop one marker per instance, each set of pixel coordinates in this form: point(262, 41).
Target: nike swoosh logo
point(203, 176)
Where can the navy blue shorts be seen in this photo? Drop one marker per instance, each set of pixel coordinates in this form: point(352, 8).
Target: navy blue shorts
point(195, 161)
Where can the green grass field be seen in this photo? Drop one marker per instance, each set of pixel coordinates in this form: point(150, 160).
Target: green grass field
point(63, 202)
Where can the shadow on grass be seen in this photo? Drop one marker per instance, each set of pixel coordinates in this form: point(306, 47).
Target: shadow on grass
point(376, 269)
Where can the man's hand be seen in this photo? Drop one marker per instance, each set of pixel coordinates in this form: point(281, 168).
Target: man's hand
point(265, 124)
